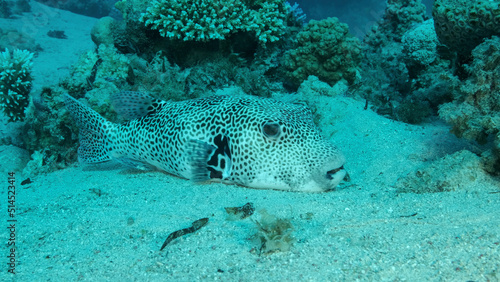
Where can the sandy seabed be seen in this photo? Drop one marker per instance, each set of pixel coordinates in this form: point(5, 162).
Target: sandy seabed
point(108, 223)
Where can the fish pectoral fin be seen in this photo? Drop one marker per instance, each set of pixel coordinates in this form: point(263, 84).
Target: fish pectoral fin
point(219, 163)
point(199, 153)
point(132, 104)
point(210, 162)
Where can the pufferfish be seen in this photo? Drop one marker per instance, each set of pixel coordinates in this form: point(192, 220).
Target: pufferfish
point(250, 141)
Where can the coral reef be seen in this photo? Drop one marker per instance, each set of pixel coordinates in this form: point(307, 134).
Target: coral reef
point(420, 45)
point(240, 48)
point(296, 16)
point(474, 113)
point(209, 20)
point(250, 29)
point(170, 82)
point(324, 49)
point(15, 83)
point(131, 35)
point(458, 171)
point(314, 86)
point(402, 15)
point(97, 75)
point(386, 77)
point(399, 16)
point(111, 66)
point(406, 74)
point(132, 9)
point(463, 24)
point(48, 134)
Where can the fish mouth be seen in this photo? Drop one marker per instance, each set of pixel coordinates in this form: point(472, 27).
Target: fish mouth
point(335, 176)
point(330, 174)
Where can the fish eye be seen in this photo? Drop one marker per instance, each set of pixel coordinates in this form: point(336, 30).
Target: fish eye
point(271, 130)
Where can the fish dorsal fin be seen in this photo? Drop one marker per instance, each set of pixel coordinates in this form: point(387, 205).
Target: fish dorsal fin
point(133, 105)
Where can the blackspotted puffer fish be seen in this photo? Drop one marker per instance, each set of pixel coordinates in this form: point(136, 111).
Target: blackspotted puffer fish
point(245, 140)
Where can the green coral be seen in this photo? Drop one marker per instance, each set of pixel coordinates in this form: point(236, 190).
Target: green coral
point(326, 50)
point(206, 20)
point(463, 24)
point(203, 21)
point(420, 45)
point(269, 21)
point(15, 82)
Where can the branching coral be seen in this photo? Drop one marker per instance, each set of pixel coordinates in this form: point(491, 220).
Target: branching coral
point(15, 82)
point(206, 20)
point(201, 21)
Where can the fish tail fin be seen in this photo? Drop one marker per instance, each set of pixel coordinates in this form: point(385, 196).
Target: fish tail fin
point(94, 132)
